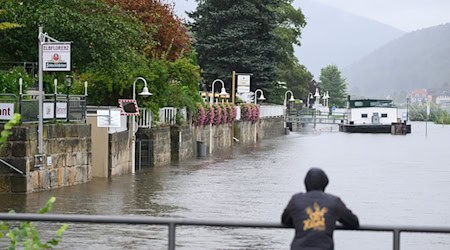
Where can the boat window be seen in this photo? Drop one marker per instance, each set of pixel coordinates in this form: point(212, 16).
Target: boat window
point(363, 115)
point(359, 104)
point(384, 115)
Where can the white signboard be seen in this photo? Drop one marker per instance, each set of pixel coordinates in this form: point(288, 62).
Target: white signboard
point(61, 110)
point(243, 83)
point(49, 110)
point(6, 111)
point(108, 118)
point(56, 56)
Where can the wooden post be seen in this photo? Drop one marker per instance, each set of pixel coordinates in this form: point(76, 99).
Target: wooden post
point(233, 83)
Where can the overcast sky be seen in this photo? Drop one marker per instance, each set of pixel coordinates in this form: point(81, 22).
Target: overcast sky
point(407, 15)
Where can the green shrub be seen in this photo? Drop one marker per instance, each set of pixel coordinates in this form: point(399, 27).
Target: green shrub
point(26, 236)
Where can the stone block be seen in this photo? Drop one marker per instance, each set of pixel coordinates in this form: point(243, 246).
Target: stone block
point(72, 174)
point(19, 133)
point(84, 130)
point(19, 149)
point(53, 178)
point(34, 181)
point(18, 183)
point(5, 150)
point(5, 184)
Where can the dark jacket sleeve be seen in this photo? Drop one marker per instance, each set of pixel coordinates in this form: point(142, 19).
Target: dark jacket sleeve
point(286, 217)
point(346, 216)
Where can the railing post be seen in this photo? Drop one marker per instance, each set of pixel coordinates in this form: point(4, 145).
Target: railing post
point(396, 239)
point(171, 236)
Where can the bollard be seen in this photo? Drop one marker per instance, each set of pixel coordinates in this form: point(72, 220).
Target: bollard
point(201, 149)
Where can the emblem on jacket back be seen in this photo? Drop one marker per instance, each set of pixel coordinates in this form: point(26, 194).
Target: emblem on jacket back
point(316, 220)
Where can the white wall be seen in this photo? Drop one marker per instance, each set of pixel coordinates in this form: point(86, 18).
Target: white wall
point(356, 115)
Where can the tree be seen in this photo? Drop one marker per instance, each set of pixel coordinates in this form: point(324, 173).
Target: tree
point(249, 37)
point(101, 36)
point(170, 39)
point(4, 25)
point(331, 81)
point(289, 70)
point(237, 35)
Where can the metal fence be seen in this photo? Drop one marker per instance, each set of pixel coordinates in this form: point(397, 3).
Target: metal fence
point(57, 107)
point(168, 115)
point(172, 223)
point(271, 110)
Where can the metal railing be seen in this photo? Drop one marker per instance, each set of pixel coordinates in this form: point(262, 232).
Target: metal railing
point(270, 110)
point(57, 107)
point(172, 223)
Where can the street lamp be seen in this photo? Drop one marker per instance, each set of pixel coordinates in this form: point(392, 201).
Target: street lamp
point(223, 92)
point(292, 99)
point(68, 85)
point(325, 97)
point(133, 137)
point(261, 97)
point(407, 108)
point(310, 96)
point(317, 96)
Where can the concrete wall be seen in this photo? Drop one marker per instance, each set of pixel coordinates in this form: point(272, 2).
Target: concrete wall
point(270, 127)
point(119, 154)
point(66, 160)
point(100, 149)
point(183, 143)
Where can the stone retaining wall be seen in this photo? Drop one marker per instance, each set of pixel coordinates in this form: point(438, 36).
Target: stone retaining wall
point(66, 160)
point(68, 157)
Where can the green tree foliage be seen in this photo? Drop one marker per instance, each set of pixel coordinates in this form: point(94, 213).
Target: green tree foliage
point(237, 35)
point(438, 115)
point(249, 37)
point(7, 129)
point(331, 81)
point(289, 70)
point(109, 48)
point(26, 235)
point(9, 80)
point(4, 25)
point(101, 36)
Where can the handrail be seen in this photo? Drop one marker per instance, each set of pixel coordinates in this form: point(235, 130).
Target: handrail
point(173, 222)
point(11, 166)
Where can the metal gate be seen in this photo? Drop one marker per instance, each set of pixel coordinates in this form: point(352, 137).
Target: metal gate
point(144, 153)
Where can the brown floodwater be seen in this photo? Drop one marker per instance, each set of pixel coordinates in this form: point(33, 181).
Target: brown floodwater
point(384, 179)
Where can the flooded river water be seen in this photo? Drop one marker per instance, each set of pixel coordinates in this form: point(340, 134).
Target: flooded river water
point(384, 179)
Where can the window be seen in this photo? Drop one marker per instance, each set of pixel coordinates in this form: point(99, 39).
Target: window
point(383, 115)
point(359, 104)
point(363, 115)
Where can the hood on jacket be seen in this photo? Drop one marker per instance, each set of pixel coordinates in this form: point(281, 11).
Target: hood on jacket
point(316, 179)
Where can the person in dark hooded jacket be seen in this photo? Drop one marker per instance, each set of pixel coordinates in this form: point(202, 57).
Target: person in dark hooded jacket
point(314, 214)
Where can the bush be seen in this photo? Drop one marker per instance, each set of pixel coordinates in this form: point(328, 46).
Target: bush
point(249, 112)
point(27, 235)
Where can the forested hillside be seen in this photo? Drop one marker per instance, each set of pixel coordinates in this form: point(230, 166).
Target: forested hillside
point(420, 59)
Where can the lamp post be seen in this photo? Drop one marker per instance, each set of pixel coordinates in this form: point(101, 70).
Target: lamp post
point(310, 96)
point(223, 92)
point(133, 137)
point(325, 97)
point(317, 96)
point(68, 85)
point(292, 99)
point(407, 109)
point(261, 97)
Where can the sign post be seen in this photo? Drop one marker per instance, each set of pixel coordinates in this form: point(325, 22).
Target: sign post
point(56, 57)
